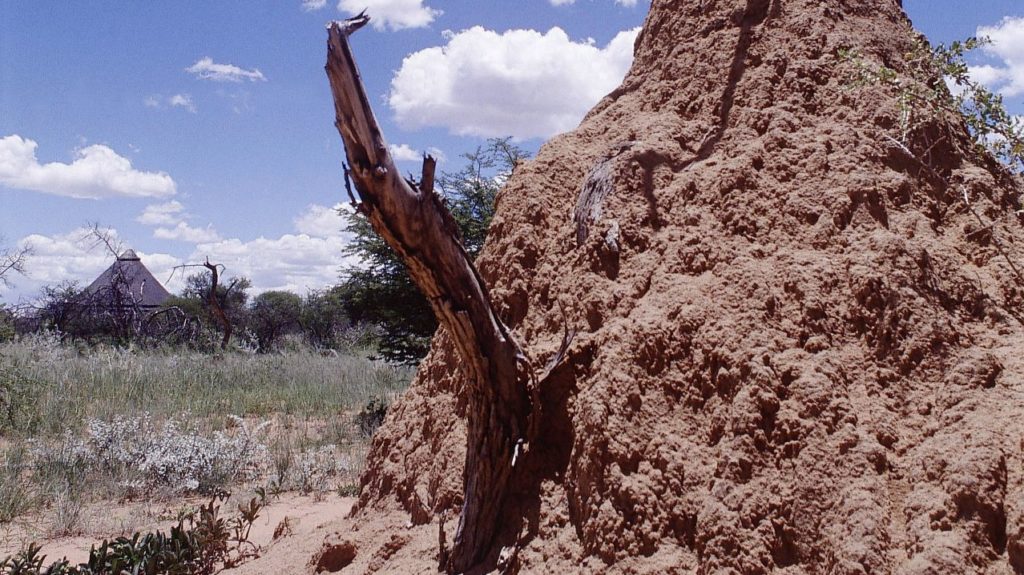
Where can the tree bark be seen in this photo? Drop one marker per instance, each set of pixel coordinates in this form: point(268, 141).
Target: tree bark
point(415, 223)
point(214, 303)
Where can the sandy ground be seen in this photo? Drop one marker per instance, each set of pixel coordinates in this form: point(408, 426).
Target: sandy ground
point(302, 521)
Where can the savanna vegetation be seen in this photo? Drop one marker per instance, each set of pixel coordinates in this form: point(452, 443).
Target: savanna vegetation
point(106, 403)
point(84, 424)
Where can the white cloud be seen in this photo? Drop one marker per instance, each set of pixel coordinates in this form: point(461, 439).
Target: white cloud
point(75, 257)
point(183, 232)
point(207, 69)
point(1007, 45)
point(157, 101)
point(322, 221)
point(519, 83)
point(311, 259)
point(97, 172)
point(171, 220)
point(311, 5)
point(392, 14)
point(182, 101)
point(291, 262)
point(166, 214)
point(404, 153)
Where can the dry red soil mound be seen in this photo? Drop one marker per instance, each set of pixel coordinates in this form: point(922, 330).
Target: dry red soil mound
point(799, 351)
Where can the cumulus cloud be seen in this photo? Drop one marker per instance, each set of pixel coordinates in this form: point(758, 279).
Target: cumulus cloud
point(182, 101)
point(311, 258)
point(311, 5)
point(157, 101)
point(404, 153)
point(171, 220)
point(97, 172)
point(207, 69)
point(521, 83)
point(183, 232)
point(166, 214)
point(294, 262)
point(1007, 77)
point(323, 222)
point(74, 256)
point(392, 14)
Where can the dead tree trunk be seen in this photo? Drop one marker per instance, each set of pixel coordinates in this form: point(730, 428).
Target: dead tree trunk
point(415, 223)
point(215, 307)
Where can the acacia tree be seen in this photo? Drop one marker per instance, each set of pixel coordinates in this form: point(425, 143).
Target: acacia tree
point(380, 291)
point(411, 217)
point(206, 297)
point(323, 317)
point(274, 314)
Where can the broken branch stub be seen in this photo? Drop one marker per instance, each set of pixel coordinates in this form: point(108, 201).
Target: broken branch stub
point(414, 222)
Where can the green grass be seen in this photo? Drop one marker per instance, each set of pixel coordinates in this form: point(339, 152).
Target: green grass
point(56, 387)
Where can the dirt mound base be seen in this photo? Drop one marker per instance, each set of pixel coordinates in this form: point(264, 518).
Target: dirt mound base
point(796, 352)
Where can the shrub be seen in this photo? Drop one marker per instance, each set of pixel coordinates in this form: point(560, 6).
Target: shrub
point(202, 543)
point(371, 416)
point(143, 455)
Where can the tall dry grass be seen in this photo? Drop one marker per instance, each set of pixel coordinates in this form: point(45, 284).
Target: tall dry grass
point(55, 399)
point(54, 387)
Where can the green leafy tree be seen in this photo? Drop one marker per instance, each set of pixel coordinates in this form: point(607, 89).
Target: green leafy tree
point(379, 291)
point(274, 314)
point(323, 317)
point(231, 295)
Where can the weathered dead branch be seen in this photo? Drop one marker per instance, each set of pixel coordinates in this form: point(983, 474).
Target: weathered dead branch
point(415, 223)
point(214, 303)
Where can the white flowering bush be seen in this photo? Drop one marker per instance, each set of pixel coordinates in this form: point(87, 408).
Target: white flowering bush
point(311, 471)
point(317, 467)
point(173, 455)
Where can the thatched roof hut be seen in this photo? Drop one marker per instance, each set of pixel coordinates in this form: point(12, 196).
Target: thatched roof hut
point(127, 283)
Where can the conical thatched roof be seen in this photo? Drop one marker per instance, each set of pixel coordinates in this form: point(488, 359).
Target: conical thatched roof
point(126, 282)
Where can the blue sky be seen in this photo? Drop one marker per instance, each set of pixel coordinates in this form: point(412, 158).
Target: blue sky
point(208, 130)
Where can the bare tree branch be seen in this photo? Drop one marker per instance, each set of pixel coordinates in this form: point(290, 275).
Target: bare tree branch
point(415, 223)
point(13, 261)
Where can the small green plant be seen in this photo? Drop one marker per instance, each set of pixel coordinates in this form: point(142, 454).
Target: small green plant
point(350, 489)
point(938, 80)
point(202, 543)
point(371, 416)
